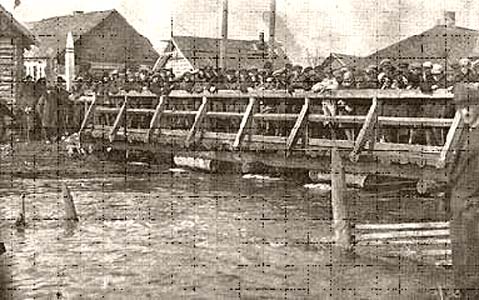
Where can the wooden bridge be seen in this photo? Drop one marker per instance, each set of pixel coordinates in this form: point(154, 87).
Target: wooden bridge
point(285, 130)
point(400, 133)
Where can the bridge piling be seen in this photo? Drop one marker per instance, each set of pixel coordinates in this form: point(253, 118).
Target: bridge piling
point(341, 223)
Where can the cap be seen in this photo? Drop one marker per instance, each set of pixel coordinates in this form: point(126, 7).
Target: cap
point(415, 66)
point(465, 62)
point(437, 69)
point(403, 65)
point(384, 62)
point(427, 65)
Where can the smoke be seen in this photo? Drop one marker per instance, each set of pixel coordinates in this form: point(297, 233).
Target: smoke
point(311, 28)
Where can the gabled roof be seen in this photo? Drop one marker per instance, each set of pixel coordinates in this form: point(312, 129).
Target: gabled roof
point(28, 37)
point(202, 52)
point(336, 61)
point(52, 32)
point(439, 44)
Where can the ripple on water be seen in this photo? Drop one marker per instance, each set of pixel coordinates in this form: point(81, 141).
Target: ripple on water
point(169, 236)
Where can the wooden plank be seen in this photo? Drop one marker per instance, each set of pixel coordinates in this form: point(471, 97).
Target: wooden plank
point(88, 115)
point(452, 139)
point(245, 123)
point(137, 111)
point(366, 132)
point(119, 118)
point(198, 121)
point(300, 122)
point(156, 120)
point(363, 94)
point(419, 241)
point(402, 234)
point(402, 226)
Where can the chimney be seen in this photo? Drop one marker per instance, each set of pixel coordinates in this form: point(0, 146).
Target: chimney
point(450, 18)
point(78, 12)
point(224, 35)
point(261, 37)
point(272, 27)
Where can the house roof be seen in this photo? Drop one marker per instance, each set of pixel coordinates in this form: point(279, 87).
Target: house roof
point(52, 32)
point(28, 37)
point(441, 44)
point(202, 52)
point(338, 60)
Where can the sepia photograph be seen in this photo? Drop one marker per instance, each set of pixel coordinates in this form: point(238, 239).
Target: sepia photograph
point(239, 149)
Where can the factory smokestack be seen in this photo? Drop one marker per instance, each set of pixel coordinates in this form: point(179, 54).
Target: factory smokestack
point(272, 28)
point(224, 35)
point(450, 18)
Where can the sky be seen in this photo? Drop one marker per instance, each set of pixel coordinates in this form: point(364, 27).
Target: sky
point(307, 28)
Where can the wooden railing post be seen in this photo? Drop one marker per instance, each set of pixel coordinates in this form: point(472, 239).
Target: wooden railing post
point(200, 115)
point(300, 123)
point(452, 139)
point(156, 120)
point(245, 123)
point(88, 115)
point(367, 131)
point(119, 118)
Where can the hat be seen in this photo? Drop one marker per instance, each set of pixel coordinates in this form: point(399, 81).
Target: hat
point(403, 65)
point(437, 69)
point(427, 65)
point(415, 65)
point(466, 94)
point(384, 62)
point(465, 62)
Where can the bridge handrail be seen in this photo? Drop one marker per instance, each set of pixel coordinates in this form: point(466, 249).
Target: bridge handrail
point(365, 94)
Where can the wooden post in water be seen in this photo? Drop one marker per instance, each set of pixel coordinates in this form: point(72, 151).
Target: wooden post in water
point(20, 221)
point(70, 211)
point(341, 224)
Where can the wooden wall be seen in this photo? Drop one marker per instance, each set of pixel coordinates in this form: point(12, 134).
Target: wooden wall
point(11, 68)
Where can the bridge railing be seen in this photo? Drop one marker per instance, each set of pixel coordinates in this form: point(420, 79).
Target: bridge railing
point(394, 126)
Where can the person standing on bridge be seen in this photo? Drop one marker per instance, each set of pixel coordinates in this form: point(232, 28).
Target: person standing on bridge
point(464, 195)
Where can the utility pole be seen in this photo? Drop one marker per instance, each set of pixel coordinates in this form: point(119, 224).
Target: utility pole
point(224, 35)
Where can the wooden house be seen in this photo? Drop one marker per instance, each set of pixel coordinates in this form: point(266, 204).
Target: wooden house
point(14, 38)
point(187, 53)
point(104, 41)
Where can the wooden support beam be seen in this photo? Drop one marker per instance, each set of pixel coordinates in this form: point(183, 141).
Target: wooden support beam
point(452, 140)
point(341, 224)
point(119, 118)
point(198, 121)
point(88, 115)
point(300, 122)
point(366, 131)
point(245, 123)
point(156, 120)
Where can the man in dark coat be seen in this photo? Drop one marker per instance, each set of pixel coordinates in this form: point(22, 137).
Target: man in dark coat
point(464, 196)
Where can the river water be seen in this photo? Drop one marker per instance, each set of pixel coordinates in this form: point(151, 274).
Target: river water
point(186, 235)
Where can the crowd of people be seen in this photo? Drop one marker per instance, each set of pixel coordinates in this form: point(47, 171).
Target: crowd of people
point(40, 102)
point(425, 76)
